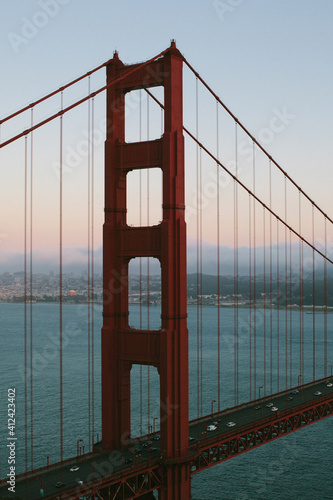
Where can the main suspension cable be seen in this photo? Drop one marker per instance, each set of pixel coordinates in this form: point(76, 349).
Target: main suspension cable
point(80, 101)
point(216, 97)
point(240, 183)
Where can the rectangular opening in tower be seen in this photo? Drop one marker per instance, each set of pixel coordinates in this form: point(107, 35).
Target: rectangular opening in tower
point(144, 280)
point(145, 403)
point(144, 118)
point(144, 197)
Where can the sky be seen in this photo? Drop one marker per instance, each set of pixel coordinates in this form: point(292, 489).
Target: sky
point(265, 59)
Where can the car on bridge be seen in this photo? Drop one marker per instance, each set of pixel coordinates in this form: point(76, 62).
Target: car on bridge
point(211, 427)
point(317, 393)
point(230, 424)
point(74, 468)
point(269, 405)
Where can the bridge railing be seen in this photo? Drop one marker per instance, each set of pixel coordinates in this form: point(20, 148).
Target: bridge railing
point(263, 399)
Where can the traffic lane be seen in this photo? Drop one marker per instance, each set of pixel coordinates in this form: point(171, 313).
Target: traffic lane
point(96, 467)
point(49, 481)
point(246, 415)
point(89, 470)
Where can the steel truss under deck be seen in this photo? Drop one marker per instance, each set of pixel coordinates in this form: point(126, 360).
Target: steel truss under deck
point(250, 437)
point(147, 477)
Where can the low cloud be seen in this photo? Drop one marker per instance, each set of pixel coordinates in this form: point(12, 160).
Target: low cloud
point(75, 260)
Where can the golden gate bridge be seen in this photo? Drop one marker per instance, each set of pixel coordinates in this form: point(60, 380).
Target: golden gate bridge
point(239, 197)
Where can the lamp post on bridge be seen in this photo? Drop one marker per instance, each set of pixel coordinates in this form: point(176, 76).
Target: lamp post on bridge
point(155, 418)
point(298, 384)
point(261, 387)
point(212, 405)
point(78, 446)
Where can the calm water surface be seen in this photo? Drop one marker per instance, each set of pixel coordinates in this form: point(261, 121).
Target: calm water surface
point(298, 466)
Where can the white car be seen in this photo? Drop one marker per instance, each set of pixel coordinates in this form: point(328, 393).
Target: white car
point(295, 391)
point(274, 408)
point(230, 424)
point(211, 428)
point(329, 384)
point(269, 405)
point(74, 468)
point(317, 393)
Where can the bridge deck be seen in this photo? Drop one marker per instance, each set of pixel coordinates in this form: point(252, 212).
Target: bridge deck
point(137, 468)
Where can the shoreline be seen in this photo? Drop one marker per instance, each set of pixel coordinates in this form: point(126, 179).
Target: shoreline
point(309, 309)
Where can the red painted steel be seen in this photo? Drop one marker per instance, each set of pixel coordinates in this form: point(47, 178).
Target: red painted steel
point(122, 346)
point(218, 449)
point(149, 476)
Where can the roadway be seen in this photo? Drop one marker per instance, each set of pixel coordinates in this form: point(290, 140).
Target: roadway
point(106, 463)
point(246, 414)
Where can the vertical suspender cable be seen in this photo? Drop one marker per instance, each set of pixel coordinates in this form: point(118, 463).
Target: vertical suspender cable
point(0, 445)
point(325, 302)
point(286, 280)
point(302, 309)
point(148, 267)
point(25, 303)
point(197, 243)
point(236, 269)
point(140, 258)
point(313, 300)
point(92, 271)
point(250, 294)
point(201, 291)
point(89, 276)
point(278, 303)
point(60, 283)
point(290, 316)
point(254, 280)
point(271, 275)
point(300, 282)
point(31, 326)
point(264, 292)
point(218, 261)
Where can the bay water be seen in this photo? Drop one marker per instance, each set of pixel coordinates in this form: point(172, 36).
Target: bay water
point(298, 466)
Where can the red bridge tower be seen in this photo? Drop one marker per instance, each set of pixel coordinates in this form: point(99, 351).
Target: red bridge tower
point(123, 346)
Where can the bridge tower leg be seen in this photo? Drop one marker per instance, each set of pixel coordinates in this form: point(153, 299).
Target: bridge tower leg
point(123, 346)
